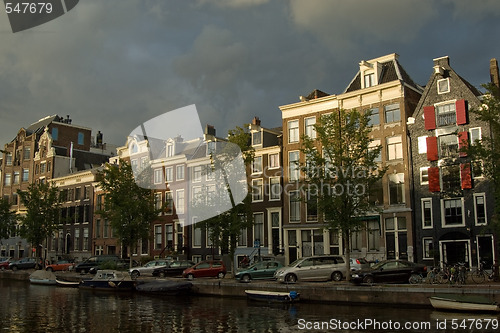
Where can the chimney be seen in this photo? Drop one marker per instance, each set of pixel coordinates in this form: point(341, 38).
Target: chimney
point(209, 130)
point(494, 77)
point(99, 139)
point(256, 121)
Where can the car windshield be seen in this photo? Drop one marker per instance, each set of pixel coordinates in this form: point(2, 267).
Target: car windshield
point(295, 263)
point(380, 264)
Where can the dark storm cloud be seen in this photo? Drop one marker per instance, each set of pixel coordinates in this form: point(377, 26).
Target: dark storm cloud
point(113, 64)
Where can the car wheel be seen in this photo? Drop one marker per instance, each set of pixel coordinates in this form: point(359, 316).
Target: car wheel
point(291, 278)
point(190, 277)
point(368, 279)
point(337, 276)
point(246, 278)
point(135, 274)
point(50, 269)
point(14, 268)
point(162, 274)
point(220, 275)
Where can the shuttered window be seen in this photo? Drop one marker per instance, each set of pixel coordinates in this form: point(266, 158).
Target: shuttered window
point(461, 108)
point(463, 142)
point(432, 148)
point(465, 176)
point(430, 117)
point(434, 179)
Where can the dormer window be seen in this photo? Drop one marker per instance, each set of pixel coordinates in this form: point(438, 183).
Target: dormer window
point(369, 79)
point(256, 138)
point(170, 149)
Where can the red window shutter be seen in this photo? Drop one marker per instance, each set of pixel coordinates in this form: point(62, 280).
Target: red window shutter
point(432, 148)
point(430, 117)
point(433, 174)
point(461, 109)
point(465, 176)
point(463, 142)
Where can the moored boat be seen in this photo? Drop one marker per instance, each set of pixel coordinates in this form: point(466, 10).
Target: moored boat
point(463, 303)
point(273, 296)
point(109, 280)
point(70, 284)
point(42, 277)
point(165, 287)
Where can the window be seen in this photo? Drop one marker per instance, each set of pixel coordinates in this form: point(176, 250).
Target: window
point(15, 199)
point(169, 236)
point(477, 169)
point(258, 227)
point(257, 194)
point(158, 202)
point(424, 176)
point(257, 164)
point(26, 175)
point(422, 144)
point(17, 177)
point(157, 176)
point(78, 192)
point(452, 211)
point(77, 240)
point(310, 129)
point(8, 159)
point(428, 248)
point(209, 172)
point(376, 195)
point(475, 135)
point(480, 208)
point(274, 161)
point(197, 196)
point(274, 188)
point(55, 133)
point(374, 116)
point(369, 80)
point(134, 164)
point(375, 144)
point(392, 113)
point(293, 165)
point(256, 138)
point(179, 204)
point(293, 131)
point(394, 148)
point(197, 173)
point(373, 235)
point(396, 189)
point(27, 153)
point(169, 174)
point(356, 240)
point(85, 239)
point(242, 237)
point(81, 137)
point(426, 213)
point(179, 172)
point(450, 177)
point(7, 179)
point(196, 234)
point(105, 233)
point(448, 145)
point(43, 167)
point(294, 202)
point(446, 114)
point(443, 86)
point(170, 150)
point(311, 206)
point(169, 203)
point(158, 244)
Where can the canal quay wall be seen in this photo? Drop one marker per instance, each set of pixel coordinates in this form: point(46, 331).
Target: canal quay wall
point(324, 292)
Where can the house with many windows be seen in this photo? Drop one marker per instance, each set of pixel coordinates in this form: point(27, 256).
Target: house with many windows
point(453, 202)
point(383, 89)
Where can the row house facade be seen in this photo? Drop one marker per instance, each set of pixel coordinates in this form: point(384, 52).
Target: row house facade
point(453, 202)
point(384, 89)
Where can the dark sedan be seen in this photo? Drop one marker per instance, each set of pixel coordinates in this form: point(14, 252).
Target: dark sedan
point(388, 271)
point(173, 268)
point(24, 263)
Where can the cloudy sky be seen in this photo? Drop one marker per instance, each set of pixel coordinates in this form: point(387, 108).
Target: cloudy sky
point(113, 64)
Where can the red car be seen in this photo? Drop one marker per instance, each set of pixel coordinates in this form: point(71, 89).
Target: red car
point(61, 265)
point(4, 263)
point(209, 268)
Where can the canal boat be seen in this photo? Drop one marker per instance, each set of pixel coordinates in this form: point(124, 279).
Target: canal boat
point(463, 303)
point(273, 296)
point(68, 284)
point(165, 287)
point(109, 280)
point(42, 277)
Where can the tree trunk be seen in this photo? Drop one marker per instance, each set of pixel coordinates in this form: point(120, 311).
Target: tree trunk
point(347, 252)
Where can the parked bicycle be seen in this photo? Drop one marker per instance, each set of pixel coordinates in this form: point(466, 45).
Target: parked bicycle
point(458, 273)
point(479, 275)
point(433, 276)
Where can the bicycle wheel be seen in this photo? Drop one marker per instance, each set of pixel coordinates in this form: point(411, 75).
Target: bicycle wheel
point(443, 278)
point(415, 279)
point(478, 276)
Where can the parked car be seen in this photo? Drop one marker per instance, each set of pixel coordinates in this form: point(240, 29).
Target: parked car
point(209, 268)
point(94, 262)
point(359, 263)
point(148, 268)
point(388, 271)
point(173, 268)
point(4, 263)
point(260, 270)
point(60, 265)
point(317, 268)
point(24, 263)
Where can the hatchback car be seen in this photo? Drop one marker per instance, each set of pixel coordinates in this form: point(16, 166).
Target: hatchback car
point(24, 263)
point(209, 268)
point(359, 263)
point(147, 269)
point(4, 263)
point(260, 270)
point(61, 265)
point(317, 268)
point(173, 268)
point(388, 271)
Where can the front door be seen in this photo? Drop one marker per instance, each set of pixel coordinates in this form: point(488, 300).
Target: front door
point(396, 238)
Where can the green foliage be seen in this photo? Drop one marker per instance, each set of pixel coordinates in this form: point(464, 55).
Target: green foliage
point(128, 207)
point(42, 213)
point(341, 171)
point(7, 218)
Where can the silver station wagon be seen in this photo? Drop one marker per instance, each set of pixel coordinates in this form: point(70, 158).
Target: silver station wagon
point(317, 268)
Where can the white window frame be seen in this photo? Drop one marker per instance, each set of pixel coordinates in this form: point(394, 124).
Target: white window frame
point(158, 179)
point(422, 144)
point(258, 133)
point(271, 157)
point(257, 165)
point(293, 170)
point(180, 200)
point(169, 196)
point(374, 144)
point(443, 220)
point(293, 132)
point(298, 202)
point(391, 109)
point(483, 195)
point(158, 203)
point(260, 225)
point(197, 173)
point(424, 247)
point(169, 174)
point(309, 128)
point(179, 172)
point(423, 214)
point(394, 146)
point(260, 190)
point(272, 194)
point(438, 85)
point(471, 136)
point(197, 233)
point(422, 181)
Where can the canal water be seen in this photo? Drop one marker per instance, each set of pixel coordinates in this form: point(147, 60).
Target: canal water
point(34, 308)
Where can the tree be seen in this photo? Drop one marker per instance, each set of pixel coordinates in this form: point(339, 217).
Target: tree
point(341, 172)
point(42, 213)
point(225, 228)
point(128, 207)
point(7, 219)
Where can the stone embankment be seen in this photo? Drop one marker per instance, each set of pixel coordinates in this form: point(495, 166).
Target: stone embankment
point(328, 292)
